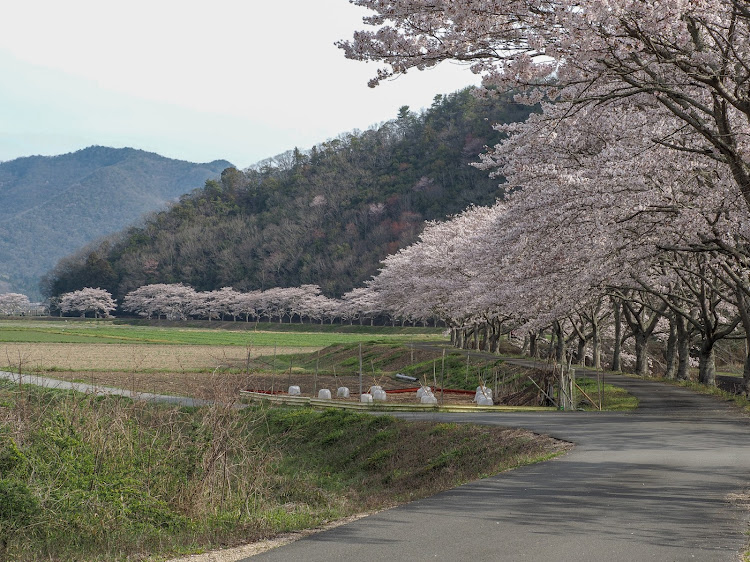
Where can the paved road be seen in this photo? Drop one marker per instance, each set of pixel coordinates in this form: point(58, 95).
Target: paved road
point(648, 485)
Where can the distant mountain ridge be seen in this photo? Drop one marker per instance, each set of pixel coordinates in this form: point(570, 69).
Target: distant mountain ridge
point(51, 206)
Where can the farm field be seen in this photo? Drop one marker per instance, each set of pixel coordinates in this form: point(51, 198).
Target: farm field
point(194, 361)
point(132, 357)
point(108, 332)
point(216, 363)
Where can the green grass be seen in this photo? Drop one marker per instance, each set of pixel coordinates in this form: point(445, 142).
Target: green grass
point(457, 375)
point(614, 398)
point(741, 402)
point(109, 332)
point(243, 326)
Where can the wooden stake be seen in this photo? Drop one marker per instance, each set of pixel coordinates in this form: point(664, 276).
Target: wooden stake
point(273, 370)
point(442, 378)
point(315, 385)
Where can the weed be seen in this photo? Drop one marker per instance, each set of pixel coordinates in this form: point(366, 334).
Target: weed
point(332, 437)
point(443, 428)
point(377, 460)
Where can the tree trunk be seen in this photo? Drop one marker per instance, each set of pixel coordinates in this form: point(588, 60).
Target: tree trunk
point(596, 343)
point(494, 344)
point(560, 347)
point(683, 348)
point(641, 355)
point(533, 348)
point(616, 348)
point(707, 363)
point(581, 352)
point(484, 340)
point(670, 353)
point(746, 369)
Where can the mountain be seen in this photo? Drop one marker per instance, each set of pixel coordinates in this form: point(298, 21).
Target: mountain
point(327, 216)
point(50, 206)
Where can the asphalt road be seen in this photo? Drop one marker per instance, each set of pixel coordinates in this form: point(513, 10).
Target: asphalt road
point(655, 484)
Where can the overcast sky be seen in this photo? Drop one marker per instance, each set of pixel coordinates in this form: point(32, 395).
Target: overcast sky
point(241, 80)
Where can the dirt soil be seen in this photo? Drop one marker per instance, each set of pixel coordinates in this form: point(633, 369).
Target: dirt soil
point(309, 387)
point(226, 386)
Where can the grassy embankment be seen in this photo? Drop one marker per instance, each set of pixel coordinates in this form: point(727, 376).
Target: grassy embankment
point(84, 478)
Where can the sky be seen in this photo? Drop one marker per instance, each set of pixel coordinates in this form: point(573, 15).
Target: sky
point(240, 80)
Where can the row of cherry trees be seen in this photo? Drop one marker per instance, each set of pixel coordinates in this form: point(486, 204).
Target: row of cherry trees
point(630, 197)
point(179, 302)
point(605, 229)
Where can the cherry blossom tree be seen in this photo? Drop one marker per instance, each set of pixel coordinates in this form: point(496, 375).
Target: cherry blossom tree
point(13, 304)
point(606, 205)
point(689, 57)
point(641, 160)
point(173, 301)
point(361, 303)
point(246, 304)
point(596, 207)
point(97, 301)
point(207, 304)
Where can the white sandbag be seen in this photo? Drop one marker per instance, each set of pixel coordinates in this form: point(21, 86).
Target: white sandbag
point(324, 394)
point(342, 392)
point(294, 391)
point(374, 388)
point(428, 399)
point(421, 391)
point(379, 395)
point(365, 398)
point(484, 390)
point(485, 401)
point(483, 393)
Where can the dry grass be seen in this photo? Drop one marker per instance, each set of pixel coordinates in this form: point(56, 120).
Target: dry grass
point(123, 357)
point(186, 370)
point(205, 385)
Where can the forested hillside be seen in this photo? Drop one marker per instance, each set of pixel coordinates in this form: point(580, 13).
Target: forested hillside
point(51, 206)
point(325, 217)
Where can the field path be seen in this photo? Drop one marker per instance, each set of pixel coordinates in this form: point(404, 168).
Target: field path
point(667, 482)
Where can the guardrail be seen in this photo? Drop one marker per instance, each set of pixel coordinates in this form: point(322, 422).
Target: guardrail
point(320, 404)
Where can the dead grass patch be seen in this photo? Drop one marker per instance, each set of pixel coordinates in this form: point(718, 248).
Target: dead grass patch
point(124, 357)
